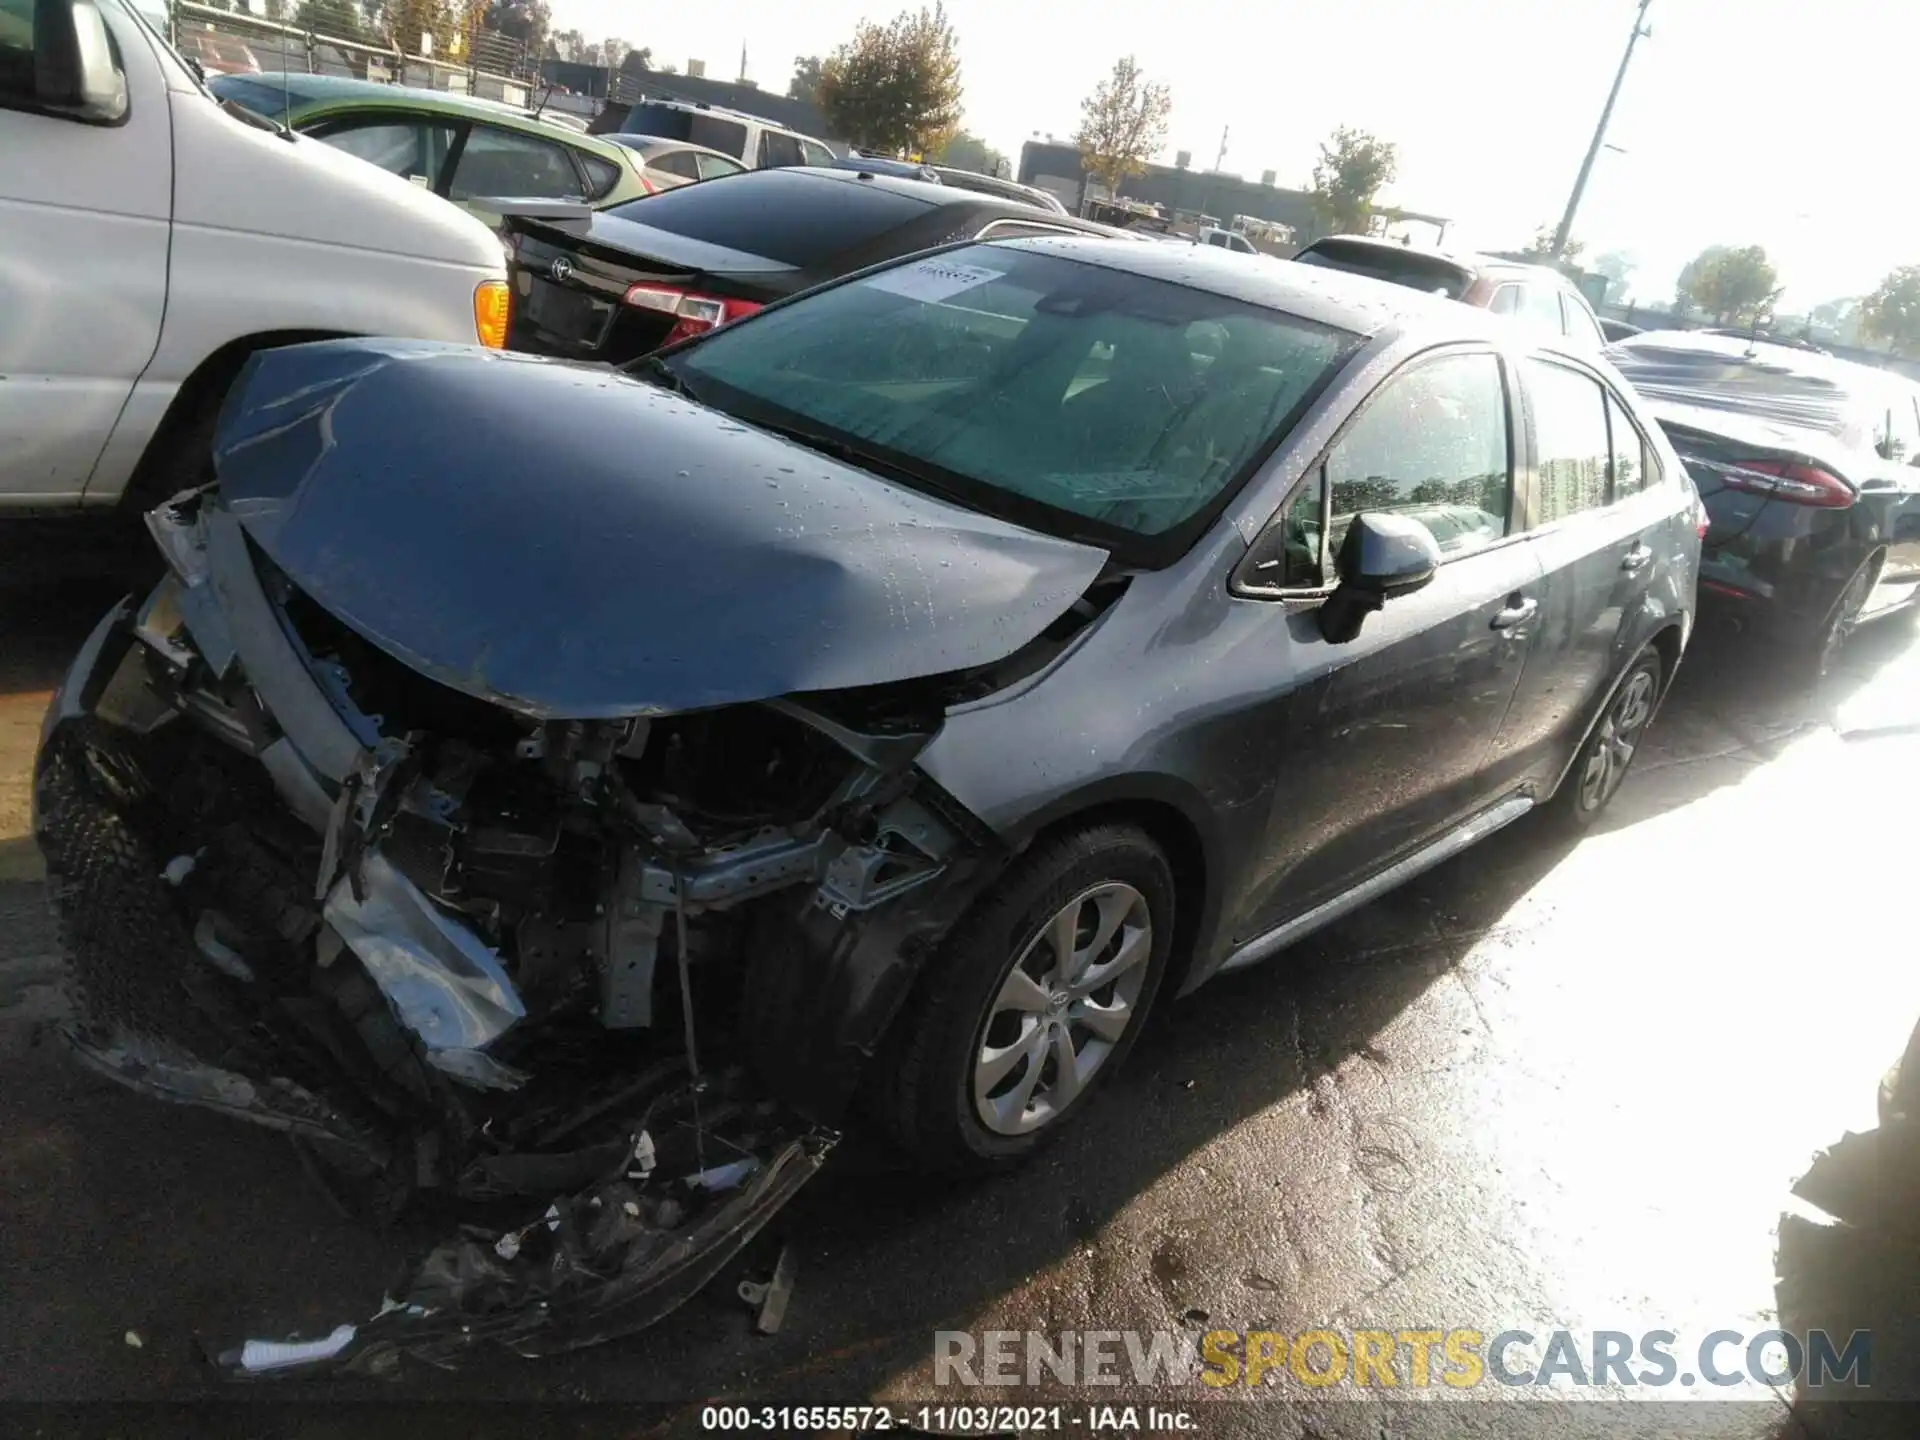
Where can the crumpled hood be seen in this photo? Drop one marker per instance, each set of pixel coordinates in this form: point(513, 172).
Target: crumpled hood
point(570, 542)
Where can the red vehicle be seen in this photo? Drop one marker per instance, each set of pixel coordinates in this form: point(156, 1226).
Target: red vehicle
point(1536, 295)
point(218, 54)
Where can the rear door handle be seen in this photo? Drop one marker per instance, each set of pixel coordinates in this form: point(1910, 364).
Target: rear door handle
point(1518, 612)
point(1637, 558)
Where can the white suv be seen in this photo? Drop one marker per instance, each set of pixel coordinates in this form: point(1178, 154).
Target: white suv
point(152, 240)
point(758, 144)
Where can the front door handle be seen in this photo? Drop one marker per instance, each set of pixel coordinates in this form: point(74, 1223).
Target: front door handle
point(1637, 558)
point(1520, 609)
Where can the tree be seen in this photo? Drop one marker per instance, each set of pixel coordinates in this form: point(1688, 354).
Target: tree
point(1892, 312)
point(895, 87)
point(408, 20)
point(1839, 318)
point(1122, 123)
point(624, 58)
point(1618, 267)
point(1732, 287)
point(970, 152)
point(805, 85)
point(1354, 167)
point(1541, 246)
point(524, 20)
point(569, 45)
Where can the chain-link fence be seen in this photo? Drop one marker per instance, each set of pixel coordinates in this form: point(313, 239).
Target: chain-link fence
point(338, 37)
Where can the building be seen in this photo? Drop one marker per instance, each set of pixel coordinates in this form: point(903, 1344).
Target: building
point(1177, 190)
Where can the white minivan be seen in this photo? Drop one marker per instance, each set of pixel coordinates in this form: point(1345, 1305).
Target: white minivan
point(151, 240)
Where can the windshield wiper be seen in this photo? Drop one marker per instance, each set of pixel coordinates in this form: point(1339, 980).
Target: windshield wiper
point(660, 373)
point(849, 453)
point(254, 117)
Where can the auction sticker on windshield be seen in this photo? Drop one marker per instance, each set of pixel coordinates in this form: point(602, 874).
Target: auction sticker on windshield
point(933, 279)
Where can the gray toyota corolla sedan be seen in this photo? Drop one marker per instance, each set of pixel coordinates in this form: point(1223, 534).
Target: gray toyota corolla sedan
point(531, 779)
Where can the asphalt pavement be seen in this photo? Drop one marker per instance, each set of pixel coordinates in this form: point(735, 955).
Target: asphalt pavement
point(1545, 1086)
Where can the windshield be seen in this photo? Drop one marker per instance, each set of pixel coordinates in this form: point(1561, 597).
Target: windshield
point(1079, 398)
point(1381, 262)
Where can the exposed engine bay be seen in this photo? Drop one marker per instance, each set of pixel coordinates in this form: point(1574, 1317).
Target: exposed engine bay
point(550, 968)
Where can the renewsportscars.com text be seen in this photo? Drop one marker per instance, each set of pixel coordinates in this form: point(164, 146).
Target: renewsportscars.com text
point(1457, 1359)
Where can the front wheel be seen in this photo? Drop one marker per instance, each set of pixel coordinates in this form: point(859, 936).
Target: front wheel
point(1602, 763)
point(1036, 999)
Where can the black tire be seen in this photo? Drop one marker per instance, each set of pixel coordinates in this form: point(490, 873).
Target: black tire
point(1594, 778)
point(931, 1106)
point(1825, 642)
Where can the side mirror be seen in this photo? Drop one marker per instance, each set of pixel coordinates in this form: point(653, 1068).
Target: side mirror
point(73, 66)
point(1383, 555)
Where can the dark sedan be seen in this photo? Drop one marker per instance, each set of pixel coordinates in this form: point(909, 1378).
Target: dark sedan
point(635, 277)
point(1807, 466)
point(871, 708)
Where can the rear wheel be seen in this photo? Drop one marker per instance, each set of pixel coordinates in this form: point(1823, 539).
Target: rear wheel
point(1602, 763)
point(1038, 996)
point(1836, 627)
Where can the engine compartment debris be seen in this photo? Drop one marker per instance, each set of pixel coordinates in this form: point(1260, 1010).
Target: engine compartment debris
point(461, 952)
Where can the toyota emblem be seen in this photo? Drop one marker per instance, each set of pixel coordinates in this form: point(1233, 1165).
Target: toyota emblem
point(561, 269)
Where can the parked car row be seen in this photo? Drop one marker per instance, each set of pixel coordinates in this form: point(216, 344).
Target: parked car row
point(617, 284)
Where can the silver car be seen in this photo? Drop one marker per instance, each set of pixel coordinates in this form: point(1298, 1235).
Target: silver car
point(671, 163)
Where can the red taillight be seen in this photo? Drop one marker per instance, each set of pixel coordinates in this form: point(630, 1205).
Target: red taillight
point(693, 313)
point(1786, 480)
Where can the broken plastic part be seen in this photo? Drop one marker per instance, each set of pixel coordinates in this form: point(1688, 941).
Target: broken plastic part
point(771, 1298)
point(445, 984)
point(259, 1356)
point(215, 951)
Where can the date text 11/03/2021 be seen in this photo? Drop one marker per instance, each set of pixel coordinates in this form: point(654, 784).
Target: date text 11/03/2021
point(951, 1419)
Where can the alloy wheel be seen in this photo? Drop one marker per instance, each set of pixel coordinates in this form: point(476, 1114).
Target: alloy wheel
point(1612, 747)
point(1843, 618)
point(1064, 1005)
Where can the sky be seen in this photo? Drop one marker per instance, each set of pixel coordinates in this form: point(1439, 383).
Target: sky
point(1781, 123)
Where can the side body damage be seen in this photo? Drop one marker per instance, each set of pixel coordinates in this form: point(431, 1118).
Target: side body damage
point(547, 966)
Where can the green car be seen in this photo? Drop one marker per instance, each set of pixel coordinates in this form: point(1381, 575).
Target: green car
point(454, 145)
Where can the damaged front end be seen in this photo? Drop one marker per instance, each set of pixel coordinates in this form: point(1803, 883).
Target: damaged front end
point(549, 968)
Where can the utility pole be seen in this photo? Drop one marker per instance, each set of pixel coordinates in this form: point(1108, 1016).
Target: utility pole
point(1599, 133)
point(1221, 158)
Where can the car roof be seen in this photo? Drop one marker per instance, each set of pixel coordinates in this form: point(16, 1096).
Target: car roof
point(313, 92)
point(1471, 260)
point(1353, 303)
point(697, 107)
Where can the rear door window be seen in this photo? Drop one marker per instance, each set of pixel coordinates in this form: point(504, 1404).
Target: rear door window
point(414, 148)
point(1634, 468)
point(777, 149)
point(1579, 323)
point(1571, 449)
point(1540, 308)
point(1505, 301)
point(501, 163)
point(816, 153)
point(819, 217)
